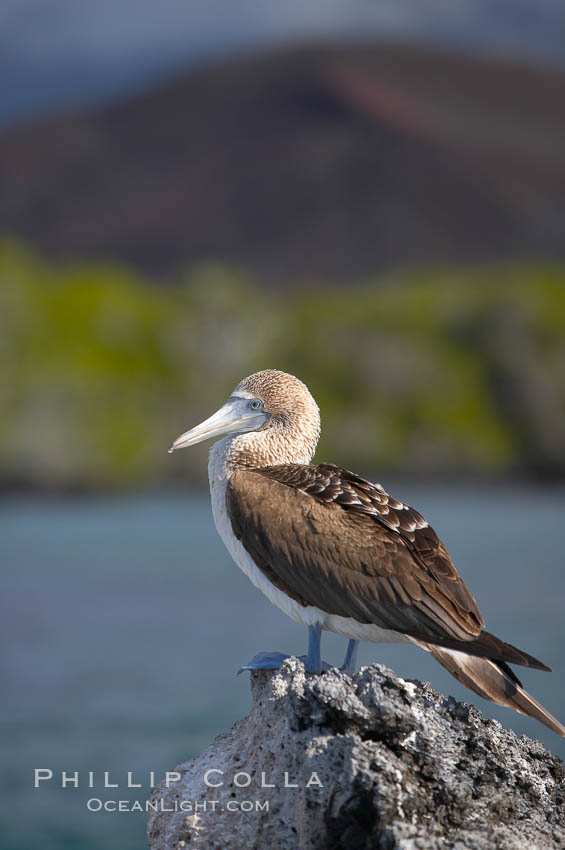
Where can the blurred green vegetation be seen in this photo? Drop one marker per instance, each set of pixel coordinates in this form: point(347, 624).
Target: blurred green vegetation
point(437, 372)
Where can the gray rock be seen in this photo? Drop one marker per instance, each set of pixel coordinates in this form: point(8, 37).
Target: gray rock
point(378, 762)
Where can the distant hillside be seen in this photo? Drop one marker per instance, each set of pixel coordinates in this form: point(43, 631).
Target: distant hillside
point(315, 162)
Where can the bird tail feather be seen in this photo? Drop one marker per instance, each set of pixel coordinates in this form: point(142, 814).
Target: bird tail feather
point(495, 681)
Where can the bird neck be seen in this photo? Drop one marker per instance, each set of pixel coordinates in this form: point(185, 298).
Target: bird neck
point(271, 447)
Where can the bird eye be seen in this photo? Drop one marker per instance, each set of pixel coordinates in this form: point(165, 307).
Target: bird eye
point(256, 404)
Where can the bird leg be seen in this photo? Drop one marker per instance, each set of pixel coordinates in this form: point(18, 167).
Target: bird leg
point(273, 660)
point(349, 665)
point(313, 663)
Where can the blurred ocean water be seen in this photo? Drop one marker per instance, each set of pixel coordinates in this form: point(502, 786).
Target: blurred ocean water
point(124, 620)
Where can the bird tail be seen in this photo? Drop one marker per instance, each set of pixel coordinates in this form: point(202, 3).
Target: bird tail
point(495, 681)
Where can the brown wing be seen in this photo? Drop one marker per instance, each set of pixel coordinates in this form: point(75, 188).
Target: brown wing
point(330, 484)
point(330, 539)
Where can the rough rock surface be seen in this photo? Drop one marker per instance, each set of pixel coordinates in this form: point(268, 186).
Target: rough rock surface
point(400, 766)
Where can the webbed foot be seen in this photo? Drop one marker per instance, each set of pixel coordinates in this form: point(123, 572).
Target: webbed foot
point(265, 661)
point(312, 662)
point(274, 660)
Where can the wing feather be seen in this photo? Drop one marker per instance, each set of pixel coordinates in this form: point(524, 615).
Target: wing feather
point(333, 540)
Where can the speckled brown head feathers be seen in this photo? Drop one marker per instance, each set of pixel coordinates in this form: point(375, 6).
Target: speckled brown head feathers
point(281, 393)
point(293, 431)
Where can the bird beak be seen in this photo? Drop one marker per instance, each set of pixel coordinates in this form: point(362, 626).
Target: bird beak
point(234, 417)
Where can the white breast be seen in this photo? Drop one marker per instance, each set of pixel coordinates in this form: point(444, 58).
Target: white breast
point(309, 615)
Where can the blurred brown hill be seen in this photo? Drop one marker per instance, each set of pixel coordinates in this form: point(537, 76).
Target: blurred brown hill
point(315, 162)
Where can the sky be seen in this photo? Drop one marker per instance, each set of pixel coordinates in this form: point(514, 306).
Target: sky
point(55, 53)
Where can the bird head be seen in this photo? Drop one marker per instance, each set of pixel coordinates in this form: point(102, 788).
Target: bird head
point(273, 410)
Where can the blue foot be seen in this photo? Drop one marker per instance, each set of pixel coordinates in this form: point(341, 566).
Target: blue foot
point(265, 661)
point(273, 660)
point(349, 665)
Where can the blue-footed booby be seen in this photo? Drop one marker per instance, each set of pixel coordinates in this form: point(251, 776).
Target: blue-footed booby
point(336, 552)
